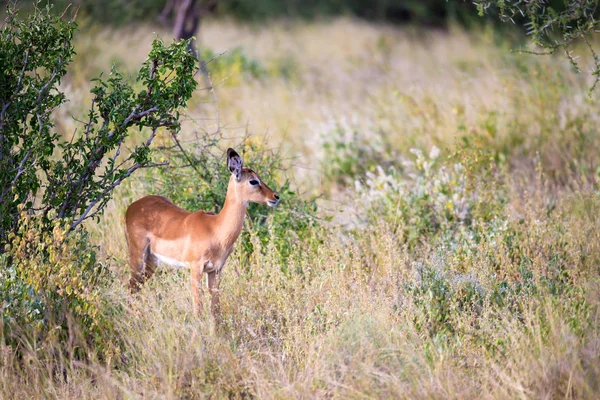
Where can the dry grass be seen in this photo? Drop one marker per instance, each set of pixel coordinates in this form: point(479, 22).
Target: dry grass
point(502, 306)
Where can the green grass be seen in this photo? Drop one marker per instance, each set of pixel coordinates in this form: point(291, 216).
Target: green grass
point(471, 271)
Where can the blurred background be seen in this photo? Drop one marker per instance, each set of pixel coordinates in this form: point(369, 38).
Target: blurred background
point(429, 12)
point(375, 78)
point(438, 234)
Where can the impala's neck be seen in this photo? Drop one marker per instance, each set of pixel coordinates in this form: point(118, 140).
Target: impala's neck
point(231, 217)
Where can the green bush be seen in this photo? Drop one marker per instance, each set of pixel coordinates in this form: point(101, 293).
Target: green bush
point(50, 286)
point(426, 198)
point(75, 176)
point(231, 67)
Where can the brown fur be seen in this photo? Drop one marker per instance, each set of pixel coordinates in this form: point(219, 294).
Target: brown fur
point(154, 225)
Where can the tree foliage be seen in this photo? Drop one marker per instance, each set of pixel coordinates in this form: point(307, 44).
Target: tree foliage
point(75, 176)
point(553, 25)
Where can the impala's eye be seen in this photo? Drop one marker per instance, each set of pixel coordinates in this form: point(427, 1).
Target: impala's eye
point(254, 182)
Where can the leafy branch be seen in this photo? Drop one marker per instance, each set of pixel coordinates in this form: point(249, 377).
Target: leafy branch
point(553, 25)
point(76, 178)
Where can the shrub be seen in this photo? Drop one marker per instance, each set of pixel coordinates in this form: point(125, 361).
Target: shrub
point(50, 286)
point(423, 200)
point(346, 151)
point(427, 197)
point(350, 154)
point(75, 177)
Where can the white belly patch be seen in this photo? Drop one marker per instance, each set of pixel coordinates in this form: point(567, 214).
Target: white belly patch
point(170, 261)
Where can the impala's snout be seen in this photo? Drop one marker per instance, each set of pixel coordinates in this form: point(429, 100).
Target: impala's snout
point(273, 203)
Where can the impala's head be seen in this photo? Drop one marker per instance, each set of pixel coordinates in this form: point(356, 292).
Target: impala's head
point(248, 184)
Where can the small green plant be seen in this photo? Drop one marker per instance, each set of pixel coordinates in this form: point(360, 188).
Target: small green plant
point(433, 294)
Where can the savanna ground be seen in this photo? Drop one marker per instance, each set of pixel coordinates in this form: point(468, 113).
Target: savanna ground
point(455, 248)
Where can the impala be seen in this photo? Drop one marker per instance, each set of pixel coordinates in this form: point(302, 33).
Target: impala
point(159, 232)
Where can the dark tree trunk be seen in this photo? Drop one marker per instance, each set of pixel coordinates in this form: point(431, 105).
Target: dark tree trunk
point(187, 21)
point(187, 15)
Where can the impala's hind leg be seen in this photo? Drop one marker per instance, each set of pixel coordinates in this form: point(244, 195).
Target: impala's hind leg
point(150, 263)
point(143, 265)
point(137, 255)
point(139, 252)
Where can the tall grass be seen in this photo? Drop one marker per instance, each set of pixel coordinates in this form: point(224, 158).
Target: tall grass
point(465, 268)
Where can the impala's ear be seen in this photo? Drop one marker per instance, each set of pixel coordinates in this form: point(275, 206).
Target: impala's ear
point(234, 163)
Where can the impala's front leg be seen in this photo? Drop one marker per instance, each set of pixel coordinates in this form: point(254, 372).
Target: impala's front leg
point(197, 268)
point(214, 278)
